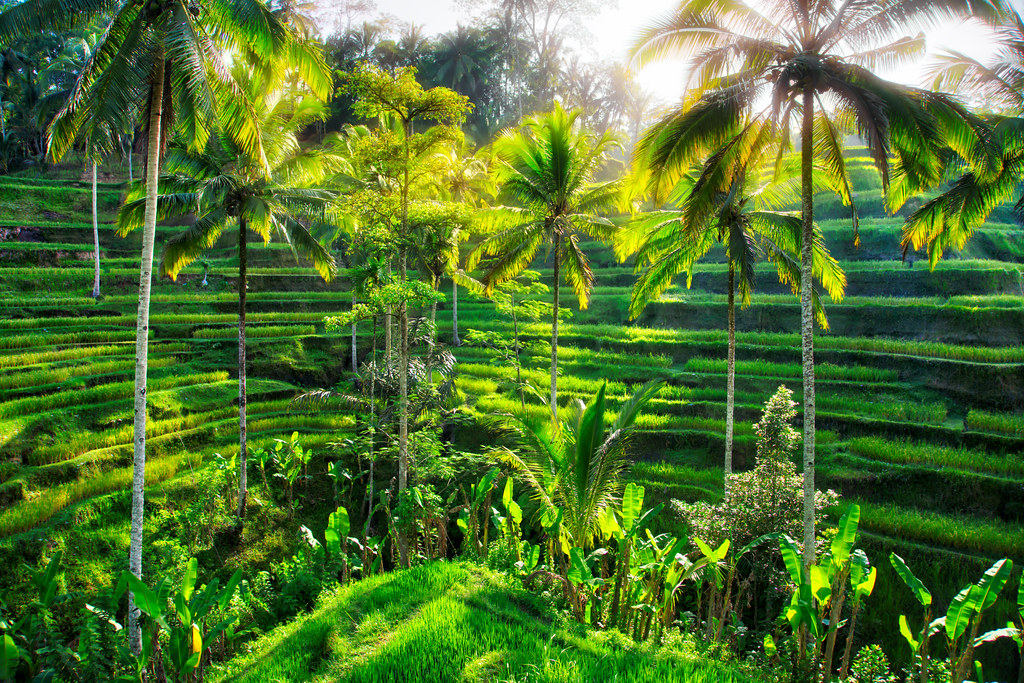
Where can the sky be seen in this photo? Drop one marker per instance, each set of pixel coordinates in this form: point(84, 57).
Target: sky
point(612, 31)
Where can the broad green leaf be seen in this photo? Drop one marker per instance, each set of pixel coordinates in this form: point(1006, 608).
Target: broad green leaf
point(188, 580)
point(960, 611)
point(533, 558)
point(485, 484)
point(646, 517)
point(791, 556)
point(589, 438)
point(609, 526)
point(722, 550)
point(907, 634)
point(842, 544)
point(632, 504)
point(506, 496)
point(463, 521)
point(181, 607)
point(821, 583)
point(867, 585)
point(339, 522)
point(769, 646)
point(991, 583)
point(1009, 632)
point(705, 549)
point(10, 656)
point(775, 535)
point(515, 512)
point(922, 594)
point(225, 594)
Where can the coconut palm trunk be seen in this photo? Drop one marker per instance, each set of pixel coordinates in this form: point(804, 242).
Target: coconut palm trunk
point(554, 334)
point(95, 237)
point(142, 344)
point(403, 374)
point(455, 314)
point(807, 315)
point(355, 355)
point(432, 337)
point(730, 381)
point(243, 267)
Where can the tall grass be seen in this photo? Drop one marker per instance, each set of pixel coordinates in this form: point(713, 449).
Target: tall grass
point(102, 393)
point(17, 360)
point(988, 537)
point(763, 368)
point(1003, 423)
point(910, 453)
point(29, 514)
point(451, 622)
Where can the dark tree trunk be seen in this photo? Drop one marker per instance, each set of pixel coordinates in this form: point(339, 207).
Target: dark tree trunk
point(807, 316)
point(243, 489)
point(554, 332)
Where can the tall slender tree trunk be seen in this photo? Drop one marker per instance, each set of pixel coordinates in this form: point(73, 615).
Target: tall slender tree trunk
point(355, 354)
point(142, 344)
point(403, 375)
point(807, 316)
point(730, 372)
point(243, 453)
point(373, 428)
point(455, 314)
point(432, 338)
point(95, 237)
point(388, 316)
point(554, 334)
point(515, 350)
point(130, 144)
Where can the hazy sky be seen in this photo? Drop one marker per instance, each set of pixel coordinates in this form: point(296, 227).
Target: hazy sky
point(612, 31)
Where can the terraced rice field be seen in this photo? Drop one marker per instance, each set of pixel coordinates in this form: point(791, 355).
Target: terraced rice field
point(920, 378)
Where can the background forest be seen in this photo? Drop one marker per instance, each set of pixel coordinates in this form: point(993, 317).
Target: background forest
point(335, 351)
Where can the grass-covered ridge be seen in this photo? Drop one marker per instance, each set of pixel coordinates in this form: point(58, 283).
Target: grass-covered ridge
point(456, 622)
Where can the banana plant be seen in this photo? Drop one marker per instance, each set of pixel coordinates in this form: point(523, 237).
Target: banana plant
point(510, 523)
point(477, 499)
point(1014, 630)
point(182, 615)
point(816, 606)
point(965, 612)
point(862, 581)
point(918, 642)
point(586, 583)
point(625, 526)
point(336, 539)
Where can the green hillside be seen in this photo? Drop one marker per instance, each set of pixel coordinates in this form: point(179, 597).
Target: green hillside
point(920, 387)
point(456, 622)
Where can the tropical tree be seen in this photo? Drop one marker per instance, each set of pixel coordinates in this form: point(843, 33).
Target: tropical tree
point(811, 60)
point(976, 189)
point(157, 62)
point(573, 464)
point(546, 170)
point(728, 201)
point(398, 97)
point(224, 187)
point(465, 178)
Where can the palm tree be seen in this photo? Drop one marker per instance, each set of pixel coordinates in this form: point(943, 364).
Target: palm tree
point(547, 170)
point(464, 179)
point(781, 60)
point(948, 220)
point(224, 187)
point(157, 61)
point(573, 464)
point(727, 203)
point(398, 97)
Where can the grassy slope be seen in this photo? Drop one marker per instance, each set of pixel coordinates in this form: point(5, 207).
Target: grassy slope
point(453, 622)
point(912, 349)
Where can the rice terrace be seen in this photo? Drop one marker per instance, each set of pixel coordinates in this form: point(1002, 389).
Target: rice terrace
point(390, 341)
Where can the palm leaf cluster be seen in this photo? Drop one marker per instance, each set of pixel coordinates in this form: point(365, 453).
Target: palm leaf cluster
point(573, 464)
